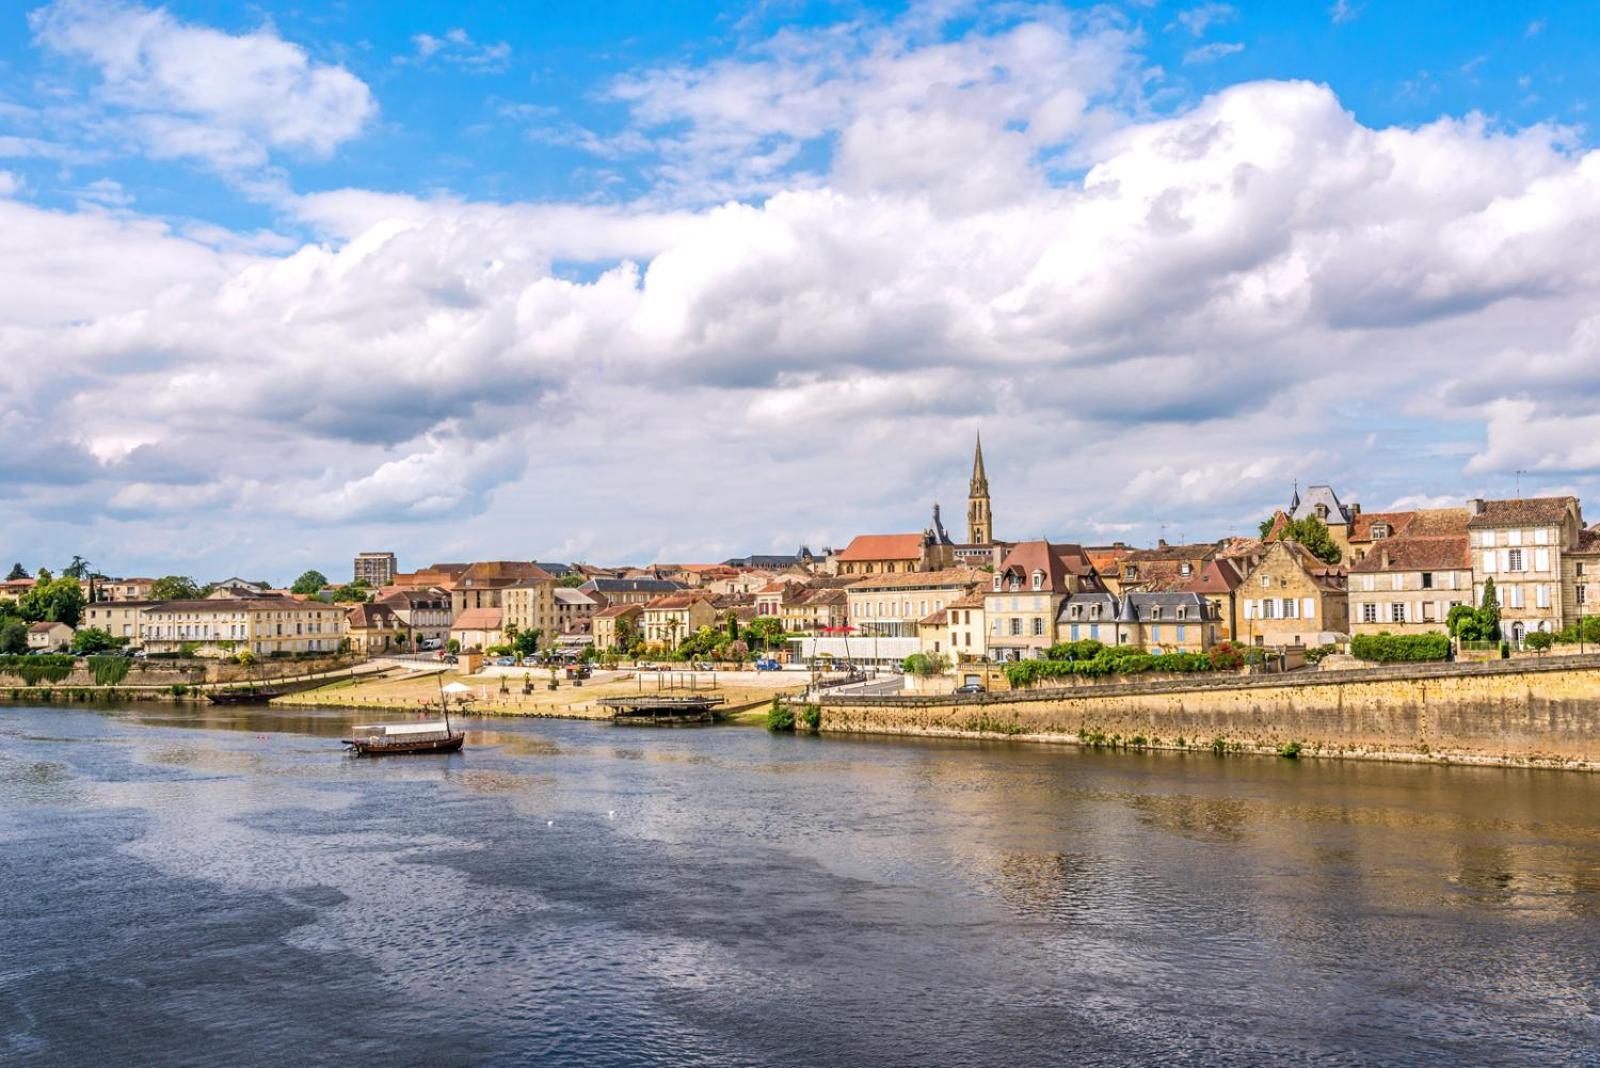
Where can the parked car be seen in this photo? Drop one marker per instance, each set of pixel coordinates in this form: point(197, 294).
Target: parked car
point(972, 687)
point(505, 661)
point(768, 664)
point(450, 658)
point(578, 671)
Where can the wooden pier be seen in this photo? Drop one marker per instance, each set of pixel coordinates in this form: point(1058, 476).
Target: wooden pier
point(664, 710)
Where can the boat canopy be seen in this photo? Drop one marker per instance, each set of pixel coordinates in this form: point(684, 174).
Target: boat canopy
point(392, 729)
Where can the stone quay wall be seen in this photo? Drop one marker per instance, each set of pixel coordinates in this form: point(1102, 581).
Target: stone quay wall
point(1544, 713)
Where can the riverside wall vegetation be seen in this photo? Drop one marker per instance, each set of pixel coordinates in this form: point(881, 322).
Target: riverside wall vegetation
point(1523, 713)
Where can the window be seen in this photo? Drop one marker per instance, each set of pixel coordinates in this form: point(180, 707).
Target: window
point(1077, 611)
point(1291, 608)
point(1074, 632)
point(1094, 611)
point(1183, 613)
point(1265, 582)
point(1038, 580)
point(1182, 632)
point(1368, 582)
point(1578, 569)
point(1427, 580)
point(1541, 536)
point(1514, 560)
point(1038, 627)
point(1513, 537)
point(1380, 530)
point(1094, 631)
point(1155, 633)
point(1155, 612)
point(1541, 559)
point(1398, 582)
point(1369, 613)
point(1397, 612)
point(1541, 596)
point(1269, 609)
point(1016, 626)
point(1580, 594)
point(1185, 568)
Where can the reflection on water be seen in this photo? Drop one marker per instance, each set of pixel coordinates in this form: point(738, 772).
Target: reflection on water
point(225, 885)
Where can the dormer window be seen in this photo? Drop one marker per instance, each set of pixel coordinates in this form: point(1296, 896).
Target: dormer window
point(1038, 580)
point(1380, 530)
point(1183, 612)
point(997, 580)
point(1155, 612)
point(1077, 611)
point(1130, 573)
point(1185, 568)
point(1094, 611)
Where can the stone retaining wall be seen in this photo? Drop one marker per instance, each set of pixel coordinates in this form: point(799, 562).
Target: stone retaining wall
point(1545, 713)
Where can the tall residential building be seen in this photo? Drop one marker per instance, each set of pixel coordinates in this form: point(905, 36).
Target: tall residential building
point(980, 520)
point(1523, 545)
point(375, 569)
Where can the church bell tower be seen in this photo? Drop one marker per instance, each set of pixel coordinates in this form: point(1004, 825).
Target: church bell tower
point(980, 522)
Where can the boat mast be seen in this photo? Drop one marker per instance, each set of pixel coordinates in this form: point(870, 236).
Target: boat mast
point(444, 704)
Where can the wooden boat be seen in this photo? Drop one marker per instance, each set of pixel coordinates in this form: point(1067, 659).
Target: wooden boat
point(393, 739)
point(386, 739)
point(242, 697)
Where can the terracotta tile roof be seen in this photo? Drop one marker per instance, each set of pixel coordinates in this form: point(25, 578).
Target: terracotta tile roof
point(478, 619)
point(489, 573)
point(617, 611)
point(933, 619)
point(950, 576)
point(1057, 561)
point(1201, 551)
point(371, 615)
point(968, 600)
point(831, 595)
point(45, 628)
point(1530, 511)
point(1420, 523)
point(264, 603)
point(883, 547)
point(675, 601)
point(1588, 541)
point(1236, 547)
point(1450, 553)
point(1223, 575)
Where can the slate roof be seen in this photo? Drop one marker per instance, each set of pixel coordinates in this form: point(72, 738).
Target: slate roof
point(1324, 495)
point(633, 585)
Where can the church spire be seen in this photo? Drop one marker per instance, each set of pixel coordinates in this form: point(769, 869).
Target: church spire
point(980, 522)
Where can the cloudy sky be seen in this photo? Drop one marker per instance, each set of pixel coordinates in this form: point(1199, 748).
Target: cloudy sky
point(634, 281)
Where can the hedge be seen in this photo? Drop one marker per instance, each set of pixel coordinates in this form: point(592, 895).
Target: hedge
point(35, 669)
point(1127, 660)
point(1386, 648)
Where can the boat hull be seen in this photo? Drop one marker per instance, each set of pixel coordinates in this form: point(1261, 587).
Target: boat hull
point(398, 747)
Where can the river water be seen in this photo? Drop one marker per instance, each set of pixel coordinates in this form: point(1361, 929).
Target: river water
point(225, 887)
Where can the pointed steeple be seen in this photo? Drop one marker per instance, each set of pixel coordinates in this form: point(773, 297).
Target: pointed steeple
point(980, 521)
point(980, 480)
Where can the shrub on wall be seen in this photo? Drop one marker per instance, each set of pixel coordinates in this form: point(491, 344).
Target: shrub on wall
point(1124, 660)
point(1539, 641)
point(1386, 648)
point(35, 669)
point(109, 670)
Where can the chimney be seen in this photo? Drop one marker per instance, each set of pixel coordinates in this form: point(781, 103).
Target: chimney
point(1475, 506)
point(1161, 543)
point(1355, 509)
point(1386, 558)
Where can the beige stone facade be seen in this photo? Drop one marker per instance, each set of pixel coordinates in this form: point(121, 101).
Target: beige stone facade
point(668, 620)
point(1291, 598)
point(1408, 585)
point(969, 638)
point(530, 606)
point(606, 621)
point(265, 626)
point(1024, 596)
point(1521, 544)
point(891, 605)
point(121, 619)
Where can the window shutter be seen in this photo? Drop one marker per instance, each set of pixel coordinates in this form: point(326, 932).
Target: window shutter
point(1541, 559)
point(1249, 609)
point(1488, 562)
point(1311, 608)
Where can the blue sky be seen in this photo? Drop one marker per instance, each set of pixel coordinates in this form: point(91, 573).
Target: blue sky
point(539, 279)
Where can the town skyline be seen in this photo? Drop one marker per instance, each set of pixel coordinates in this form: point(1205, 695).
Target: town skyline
point(450, 286)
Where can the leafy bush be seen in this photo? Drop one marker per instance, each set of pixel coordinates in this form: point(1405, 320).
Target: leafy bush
point(1290, 750)
point(1539, 641)
point(1569, 635)
point(780, 717)
point(1108, 660)
point(1317, 653)
point(1386, 648)
point(35, 669)
point(1227, 657)
point(925, 665)
point(1087, 649)
point(811, 716)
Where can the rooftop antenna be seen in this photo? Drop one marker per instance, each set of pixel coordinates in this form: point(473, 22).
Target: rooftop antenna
point(1520, 473)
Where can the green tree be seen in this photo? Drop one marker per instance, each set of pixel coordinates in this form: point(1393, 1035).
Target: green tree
point(57, 600)
point(176, 588)
point(78, 569)
point(733, 626)
point(1312, 534)
point(628, 639)
point(13, 637)
point(526, 642)
point(17, 572)
point(764, 629)
point(453, 646)
point(354, 593)
point(1489, 612)
point(572, 581)
point(95, 640)
point(309, 583)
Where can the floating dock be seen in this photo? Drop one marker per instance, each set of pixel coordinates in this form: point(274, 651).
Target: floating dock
point(664, 710)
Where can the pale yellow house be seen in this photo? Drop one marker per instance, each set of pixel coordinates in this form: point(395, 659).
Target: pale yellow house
point(1025, 595)
point(49, 637)
point(668, 620)
point(120, 619)
point(892, 604)
point(1408, 585)
point(530, 605)
point(375, 629)
point(964, 622)
point(265, 626)
point(1522, 545)
point(606, 621)
point(478, 628)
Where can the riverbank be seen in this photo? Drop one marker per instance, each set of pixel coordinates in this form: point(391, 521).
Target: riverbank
point(1542, 714)
point(743, 691)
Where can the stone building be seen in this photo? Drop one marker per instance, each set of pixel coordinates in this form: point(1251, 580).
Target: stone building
point(891, 605)
point(1523, 545)
point(1289, 597)
point(1408, 585)
point(375, 569)
point(605, 623)
point(1160, 622)
point(980, 517)
point(118, 618)
point(969, 638)
point(266, 625)
point(1322, 502)
point(1025, 596)
point(668, 620)
point(881, 554)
